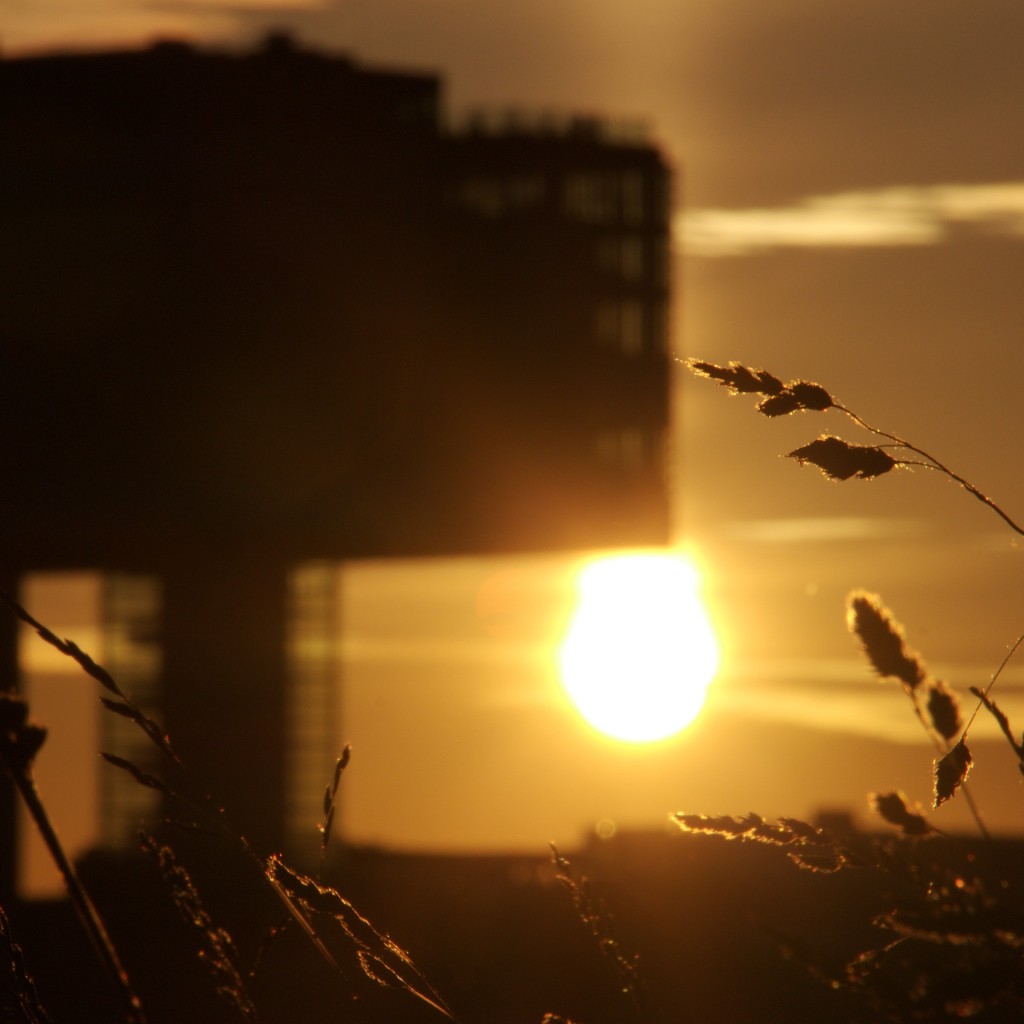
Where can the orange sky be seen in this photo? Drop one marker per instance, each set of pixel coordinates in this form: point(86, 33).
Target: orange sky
point(853, 195)
point(463, 737)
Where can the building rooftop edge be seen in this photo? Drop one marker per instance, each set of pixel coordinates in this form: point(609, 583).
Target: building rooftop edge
point(491, 121)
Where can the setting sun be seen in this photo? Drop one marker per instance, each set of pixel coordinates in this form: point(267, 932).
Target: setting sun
point(639, 653)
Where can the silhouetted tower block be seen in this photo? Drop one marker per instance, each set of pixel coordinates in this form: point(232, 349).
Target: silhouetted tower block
point(211, 269)
point(562, 235)
point(262, 310)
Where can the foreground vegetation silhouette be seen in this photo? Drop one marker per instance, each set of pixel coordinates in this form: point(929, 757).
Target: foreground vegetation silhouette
point(955, 935)
point(951, 944)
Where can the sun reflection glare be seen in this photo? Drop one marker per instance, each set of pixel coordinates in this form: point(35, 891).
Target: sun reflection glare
point(639, 652)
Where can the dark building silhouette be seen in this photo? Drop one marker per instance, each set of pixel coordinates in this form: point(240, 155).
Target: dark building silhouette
point(261, 311)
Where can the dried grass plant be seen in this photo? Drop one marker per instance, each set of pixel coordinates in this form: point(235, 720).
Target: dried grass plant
point(344, 941)
point(329, 923)
point(954, 940)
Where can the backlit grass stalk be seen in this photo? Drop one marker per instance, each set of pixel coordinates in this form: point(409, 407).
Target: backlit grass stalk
point(20, 741)
point(595, 918)
point(930, 462)
point(331, 804)
point(842, 460)
point(380, 959)
point(215, 945)
point(16, 984)
point(883, 642)
point(838, 459)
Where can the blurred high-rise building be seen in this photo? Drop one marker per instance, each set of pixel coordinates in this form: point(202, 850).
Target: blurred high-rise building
point(269, 310)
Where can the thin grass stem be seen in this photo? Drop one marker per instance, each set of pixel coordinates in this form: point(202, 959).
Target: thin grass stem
point(933, 463)
point(942, 747)
point(86, 909)
point(1014, 647)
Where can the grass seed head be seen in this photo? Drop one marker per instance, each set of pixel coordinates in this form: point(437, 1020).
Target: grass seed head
point(810, 396)
point(944, 710)
point(840, 460)
point(892, 807)
point(881, 639)
point(739, 379)
point(781, 404)
point(951, 772)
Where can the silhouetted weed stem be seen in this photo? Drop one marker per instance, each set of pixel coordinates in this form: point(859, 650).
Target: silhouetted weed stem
point(990, 705)
point(595, 918)
point(838, 459)
point(959, 937)
point(215, 946)
point(330, 803)
point(1014, 647)
point(380, 959)
point(806, 845)
point(16, 983)
point(123, 704)
point(841, 460)
point(931, 462)
point(884, 644)
point(20, 770)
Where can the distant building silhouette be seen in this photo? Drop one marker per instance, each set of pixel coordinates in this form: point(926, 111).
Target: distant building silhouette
point(262, 311)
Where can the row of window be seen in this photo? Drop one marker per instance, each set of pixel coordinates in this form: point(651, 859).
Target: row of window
point(631, 198)
point(312, 724)
point(495, 197)
point(117, 617)
point(623, 256)
point(631, 326)
point(605, 198)
point(627, 448)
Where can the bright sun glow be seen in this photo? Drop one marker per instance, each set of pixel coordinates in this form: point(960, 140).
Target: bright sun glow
point(639, 653)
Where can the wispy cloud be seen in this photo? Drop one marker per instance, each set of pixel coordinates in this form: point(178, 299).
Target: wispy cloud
point(841, 695)
point(830, 528)
point(897, 216)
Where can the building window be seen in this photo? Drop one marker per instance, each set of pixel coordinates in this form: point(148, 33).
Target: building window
point(526, 191)
point(662, 266)
point(632, 327)
point(131, 613)
point(660, 327)
point(661, 200)
point(633, 197)
point(482, 196)
point(114, 618)
point(623, 256)
point(312, 715)
point(607, 197)
point(624, 448)
point(499, 196)
point(591, 198)
point(607, 326)
point(632, 257)
point(622, 326)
